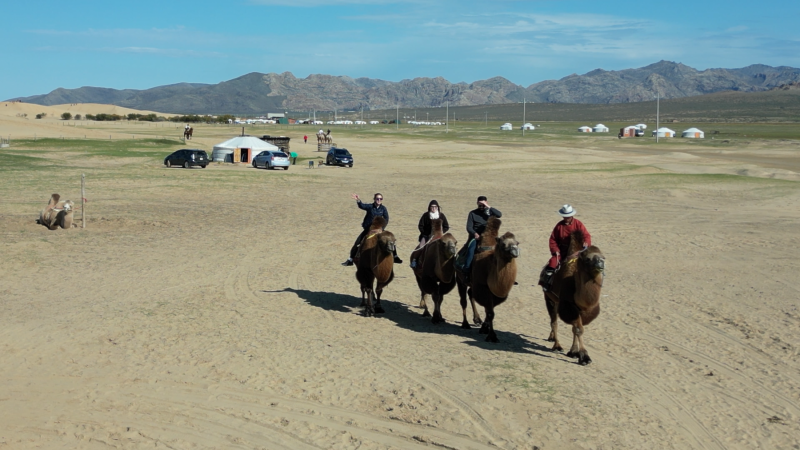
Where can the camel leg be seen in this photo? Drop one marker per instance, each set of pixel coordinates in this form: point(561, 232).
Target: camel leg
point(578, 350)
point(552, 310)
point(363, 297)
point(377, 297)
point(437, 308)
point(424, 305)
point(368, 310)
point(462, 295)
point(476, 318)
point(489, 324)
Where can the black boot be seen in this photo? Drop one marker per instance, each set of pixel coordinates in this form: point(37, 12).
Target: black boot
point(545, 278)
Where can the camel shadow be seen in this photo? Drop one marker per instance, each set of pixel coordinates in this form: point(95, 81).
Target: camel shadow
point(409, 318)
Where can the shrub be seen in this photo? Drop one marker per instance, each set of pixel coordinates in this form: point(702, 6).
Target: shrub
point(66, 116)
point(89, 117)
point(77, 117)
point(41, 115)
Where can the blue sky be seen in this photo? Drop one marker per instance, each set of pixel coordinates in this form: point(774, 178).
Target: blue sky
point(143, 44)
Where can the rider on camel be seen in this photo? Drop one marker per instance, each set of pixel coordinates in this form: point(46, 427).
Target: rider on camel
point(476, 223)
point(426, 225)
point(375, 209)
point(559, 242)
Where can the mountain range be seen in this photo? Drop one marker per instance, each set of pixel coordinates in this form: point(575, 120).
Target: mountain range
point(258, 93)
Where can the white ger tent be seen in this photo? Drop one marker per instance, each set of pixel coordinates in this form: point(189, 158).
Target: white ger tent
point(600, 128)
point(585, 129)
point(664, 132)
point(527, 126)
point(506, 127)
point(693, 133)
point(240, 149)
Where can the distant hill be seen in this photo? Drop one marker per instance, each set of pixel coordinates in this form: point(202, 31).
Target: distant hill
point(258, 93)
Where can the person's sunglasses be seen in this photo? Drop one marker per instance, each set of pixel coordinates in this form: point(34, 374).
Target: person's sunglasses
point(378, 198)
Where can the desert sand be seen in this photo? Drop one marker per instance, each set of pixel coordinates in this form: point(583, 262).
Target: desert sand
point(207, 308)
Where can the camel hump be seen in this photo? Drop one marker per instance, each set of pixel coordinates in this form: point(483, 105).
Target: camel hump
point(436, 226)
point(490, 232)
point(378, 222)
point(576, 241)
point(493, 224)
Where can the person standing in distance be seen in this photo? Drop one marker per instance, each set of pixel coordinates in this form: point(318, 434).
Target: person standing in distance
point(374, 209)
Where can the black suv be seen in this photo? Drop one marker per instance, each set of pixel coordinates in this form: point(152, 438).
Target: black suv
point(187, 158)
point(339, 157)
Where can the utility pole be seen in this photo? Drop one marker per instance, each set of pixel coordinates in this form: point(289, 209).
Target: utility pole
point(523, 116)
point(447, 119)
point(397, 118)
point(658, 108)
point(485, 118)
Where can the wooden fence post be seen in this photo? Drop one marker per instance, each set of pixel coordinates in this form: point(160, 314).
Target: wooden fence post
point(83, 200)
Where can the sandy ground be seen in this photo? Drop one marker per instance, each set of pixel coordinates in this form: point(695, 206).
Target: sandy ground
point(207, 308)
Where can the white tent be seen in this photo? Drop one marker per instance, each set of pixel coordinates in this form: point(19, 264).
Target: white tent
point(585, 129)
point(641, 126)
point(527, 126)
point(506, 127)
point(248, 147)
point(664, 132)
point(693, 133)
point(600, 128)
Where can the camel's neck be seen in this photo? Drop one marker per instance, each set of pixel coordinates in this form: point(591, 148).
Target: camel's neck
point(502, 275)
point(445, 268)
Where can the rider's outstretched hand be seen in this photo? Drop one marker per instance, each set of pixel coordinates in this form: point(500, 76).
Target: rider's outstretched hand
point(355, 196)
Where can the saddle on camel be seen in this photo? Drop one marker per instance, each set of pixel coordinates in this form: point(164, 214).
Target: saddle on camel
point(493, 274)
point(375, 265)
point(435, 269)
point(574, 295)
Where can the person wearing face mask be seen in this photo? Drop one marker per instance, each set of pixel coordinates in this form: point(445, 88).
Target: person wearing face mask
point(426, 225)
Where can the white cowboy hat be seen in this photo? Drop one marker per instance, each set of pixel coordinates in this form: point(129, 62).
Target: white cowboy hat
point(567, 211)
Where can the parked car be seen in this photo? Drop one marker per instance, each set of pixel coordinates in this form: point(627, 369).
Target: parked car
point(270, 159)
point(339, 157)
point(186, 158)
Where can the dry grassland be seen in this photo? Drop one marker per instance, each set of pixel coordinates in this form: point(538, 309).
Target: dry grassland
point(207, 308)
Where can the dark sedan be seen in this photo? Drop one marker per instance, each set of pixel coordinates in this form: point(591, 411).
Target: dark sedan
point(187, 158)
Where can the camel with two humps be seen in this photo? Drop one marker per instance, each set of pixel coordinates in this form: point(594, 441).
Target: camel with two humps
point(375, 265)
point(574, 294)
point(57, 213)
point(435, 270)
point(494, 272)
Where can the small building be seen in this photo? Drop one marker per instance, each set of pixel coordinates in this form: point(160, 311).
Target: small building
point(527, 126)
point(506, 127)
point(600, 128)
point(585, 129)
point(629, 131)
point(664, 132)
point(693, 133)
point(282, 142)
point(240, 149)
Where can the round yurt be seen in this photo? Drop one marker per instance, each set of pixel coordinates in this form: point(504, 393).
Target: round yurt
point(527, 126)
point(664, 132)
point(641, 126)
point(693, 133)
point(506, 127)
point(585, 129)
point(600, 128)
point(240, 149)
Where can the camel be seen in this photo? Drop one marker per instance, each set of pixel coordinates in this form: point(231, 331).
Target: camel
point(375, 263)
point(187, 133)
point(575, 294)
point(494, 271)
point(435, 270)
point(57, 213)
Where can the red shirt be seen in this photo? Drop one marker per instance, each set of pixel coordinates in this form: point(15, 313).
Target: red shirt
point(559, 238)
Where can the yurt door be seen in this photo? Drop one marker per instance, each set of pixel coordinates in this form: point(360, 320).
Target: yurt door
point(237, 155)
point(245, 155)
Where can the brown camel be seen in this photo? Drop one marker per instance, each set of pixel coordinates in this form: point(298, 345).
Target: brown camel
point(375, 264)
point(435, 270)
point(575, 294)
point(493, 274)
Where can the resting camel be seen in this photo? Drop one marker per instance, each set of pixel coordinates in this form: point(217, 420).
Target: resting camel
point(575, 294)
point(494, 271)
point(435, 270)
point(187, 133)
point(57, 213)
point(375, 264)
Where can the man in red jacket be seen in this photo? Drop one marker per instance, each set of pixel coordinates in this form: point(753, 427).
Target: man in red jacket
point(559, 242)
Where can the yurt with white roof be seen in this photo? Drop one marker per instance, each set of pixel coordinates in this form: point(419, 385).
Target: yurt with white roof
point(506, 127)
point(641, 126)
point(585, 129)
point(693, 133)
point(240, 149)
point(527, 126)
point(600, 128)
point(664, 132)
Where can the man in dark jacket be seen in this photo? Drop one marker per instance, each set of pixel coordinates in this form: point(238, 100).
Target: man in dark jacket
point(373, 210)
point(476, 223)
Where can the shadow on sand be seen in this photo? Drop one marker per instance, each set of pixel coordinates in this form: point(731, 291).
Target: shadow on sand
point(411, 318)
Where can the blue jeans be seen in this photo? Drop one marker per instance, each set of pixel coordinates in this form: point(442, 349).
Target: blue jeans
point(470, 253)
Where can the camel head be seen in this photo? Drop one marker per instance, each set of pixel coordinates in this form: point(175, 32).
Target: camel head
point(449, 244)
point(593, 260)
point(386, 242)
point(507, 246)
